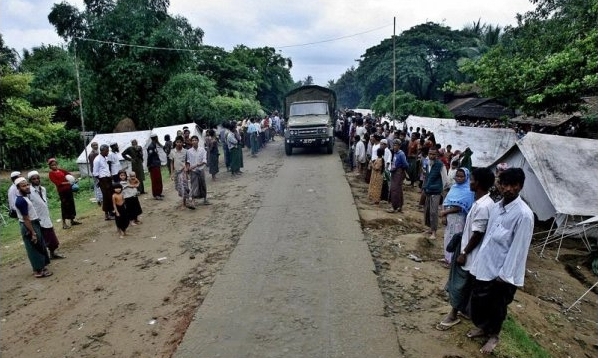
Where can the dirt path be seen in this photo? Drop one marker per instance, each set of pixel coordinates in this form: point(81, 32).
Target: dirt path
point(135, 297)
point(132, 297)
point(415, 297)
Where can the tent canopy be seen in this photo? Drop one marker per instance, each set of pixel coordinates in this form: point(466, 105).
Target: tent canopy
point(485, 143)
point(143, 139)
point(560, 174)
point(430, 124)
point(122, 139)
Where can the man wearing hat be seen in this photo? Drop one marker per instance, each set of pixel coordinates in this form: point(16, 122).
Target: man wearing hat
point(12, 194)
point(39, 199)
point(31, 230)
point(154, 166)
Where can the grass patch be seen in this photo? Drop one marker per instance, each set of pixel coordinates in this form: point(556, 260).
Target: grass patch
point(516, 342)
point(11, 242)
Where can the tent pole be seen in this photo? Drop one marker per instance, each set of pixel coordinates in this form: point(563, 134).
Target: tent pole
point(547, 236)
point(89, 175)
point(582, 296)
point(561, 241)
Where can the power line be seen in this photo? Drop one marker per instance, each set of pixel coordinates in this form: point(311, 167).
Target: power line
point(194, 50)
point(334, 39)
point(138, 46)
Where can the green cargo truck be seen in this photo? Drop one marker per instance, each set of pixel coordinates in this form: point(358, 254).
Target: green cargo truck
point(309, 114)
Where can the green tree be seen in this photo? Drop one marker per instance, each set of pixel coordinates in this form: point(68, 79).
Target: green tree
point(185, 98)
point(54, 82)
point(8, 56)
point(407, 104)
point(27, 134)
point(427, 56)
point(547, 62)
point(347, 89)
point(271, 73)
point(125, 80)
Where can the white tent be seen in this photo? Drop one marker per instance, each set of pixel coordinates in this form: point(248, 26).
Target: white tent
point(560, 174)
point(172, 130)
point(430, 124)
point(143, 139)
point(487, 144)
point(122, 139)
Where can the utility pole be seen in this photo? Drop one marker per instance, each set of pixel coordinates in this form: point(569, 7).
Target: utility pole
point(394, 67)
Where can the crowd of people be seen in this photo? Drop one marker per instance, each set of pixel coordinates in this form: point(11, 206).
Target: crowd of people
point(488, 227)
point(117, 190)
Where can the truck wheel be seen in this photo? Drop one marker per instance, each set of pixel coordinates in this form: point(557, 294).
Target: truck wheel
point(288, 149)
point(329, 147)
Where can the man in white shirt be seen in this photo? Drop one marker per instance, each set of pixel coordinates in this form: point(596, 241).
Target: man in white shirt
point(39, 199)
point(196, 162)
point(101, 171)
point(360, 157)
point(114, 159)
point(12, 194)
point(499, 266)
point(465, 250)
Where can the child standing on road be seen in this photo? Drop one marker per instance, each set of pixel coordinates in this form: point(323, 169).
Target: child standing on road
point(130, 193)
point(120, 210)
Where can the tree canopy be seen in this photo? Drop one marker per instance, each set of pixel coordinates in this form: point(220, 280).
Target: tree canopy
point(548, 62)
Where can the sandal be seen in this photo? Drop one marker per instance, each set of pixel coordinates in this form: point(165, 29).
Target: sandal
point(73, 222)
point(43, 273)
point(65, 226)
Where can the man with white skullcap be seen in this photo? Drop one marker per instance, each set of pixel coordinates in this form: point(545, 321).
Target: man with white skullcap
point(39, 199)
point(33, 239)
point(12, 194)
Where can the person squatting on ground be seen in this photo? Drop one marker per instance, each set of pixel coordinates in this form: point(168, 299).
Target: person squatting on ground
point(465, 247)
point(120, 210)
point(499, 267)
point(39, 199)
point(31, 232)
point(196, 162)
point(65, 192)
point(101, 171)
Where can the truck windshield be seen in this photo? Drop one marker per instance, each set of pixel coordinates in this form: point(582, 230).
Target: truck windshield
point(303, 109)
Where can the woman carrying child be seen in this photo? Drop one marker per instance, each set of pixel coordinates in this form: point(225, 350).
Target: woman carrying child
point(120, 210)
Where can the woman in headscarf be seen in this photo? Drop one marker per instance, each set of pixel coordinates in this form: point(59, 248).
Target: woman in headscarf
point(466, 159)
point(376, 179)
point(456, 205)
point(65, 192)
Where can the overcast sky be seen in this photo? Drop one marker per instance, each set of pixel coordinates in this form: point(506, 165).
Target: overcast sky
point(338, 31)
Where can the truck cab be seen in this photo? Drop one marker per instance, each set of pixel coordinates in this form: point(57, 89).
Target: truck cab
point(309, 112)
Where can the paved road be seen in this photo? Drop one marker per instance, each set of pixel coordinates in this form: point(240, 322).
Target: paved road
point(300, 281)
